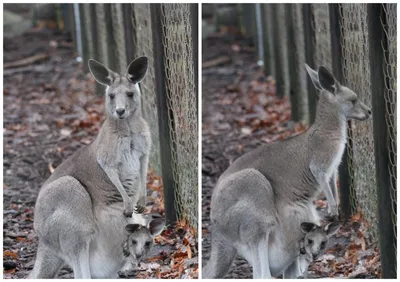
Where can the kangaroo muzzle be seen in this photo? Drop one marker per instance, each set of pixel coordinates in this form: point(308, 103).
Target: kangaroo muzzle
point(120, 112)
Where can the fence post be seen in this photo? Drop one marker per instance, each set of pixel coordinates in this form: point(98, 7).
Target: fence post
point(195, 42)
point(163, 113)
point(128, 32)
point(87, 38)
point(269, 57)
point(377, 44)
point(110, 43)
point(297, 90)
point(93, 30)
point(248, 22)
point(118, 29)
point(337, 69)
point(280, 50)
point(309, 39)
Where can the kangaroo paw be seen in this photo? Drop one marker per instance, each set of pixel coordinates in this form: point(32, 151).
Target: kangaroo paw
point(139, 209)
point(125, 250)
point(332, 218)
point(128, 213)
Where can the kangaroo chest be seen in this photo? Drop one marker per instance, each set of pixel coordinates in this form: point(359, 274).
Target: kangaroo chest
point(131, 150)
point(337, 158)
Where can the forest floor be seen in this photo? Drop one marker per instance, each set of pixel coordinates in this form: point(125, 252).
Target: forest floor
point(241, 112)
point(50, 110)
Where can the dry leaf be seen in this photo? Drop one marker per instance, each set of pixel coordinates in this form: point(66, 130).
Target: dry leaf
point(10, 254)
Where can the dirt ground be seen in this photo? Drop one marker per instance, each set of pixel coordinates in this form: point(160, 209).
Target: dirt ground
point(50, 110)
point(241, 112)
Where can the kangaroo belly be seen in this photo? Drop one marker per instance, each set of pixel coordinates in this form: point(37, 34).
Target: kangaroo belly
point(106, 249)
point(280, 253)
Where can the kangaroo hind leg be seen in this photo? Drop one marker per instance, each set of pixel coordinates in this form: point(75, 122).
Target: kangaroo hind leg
point(47, 264)
point(222, 256)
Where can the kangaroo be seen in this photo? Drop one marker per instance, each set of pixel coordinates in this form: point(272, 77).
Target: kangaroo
point(268, 191)
point(314, 243)
point(140, 241)
point(82, 209)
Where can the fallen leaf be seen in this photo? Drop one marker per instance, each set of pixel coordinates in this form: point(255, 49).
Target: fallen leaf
point(10, 254)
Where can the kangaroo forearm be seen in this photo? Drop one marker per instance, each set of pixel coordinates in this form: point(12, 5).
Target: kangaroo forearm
point(114, 178)
point(143, 179)
point(333, 186)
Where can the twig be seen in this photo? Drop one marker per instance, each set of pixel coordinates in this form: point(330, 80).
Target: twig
point(26, 61)
point(216, 62)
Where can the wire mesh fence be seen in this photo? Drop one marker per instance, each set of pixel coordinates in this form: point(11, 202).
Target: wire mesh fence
point(116, 33)
point(316, 44)
point(180, 73)
point(143, 44)
point(390, 95)
point(357, 76)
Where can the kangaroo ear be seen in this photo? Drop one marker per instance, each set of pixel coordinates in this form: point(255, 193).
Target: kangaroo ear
point(130, 228)
point(102, 74)
point(314, 77)
point(156, 226)
point(307, 227)
point(137, 69)
point(332, 228)
point(327, 80)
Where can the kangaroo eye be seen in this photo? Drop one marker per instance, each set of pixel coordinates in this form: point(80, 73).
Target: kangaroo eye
point(129, 94)
point(323, 244)
point(310, 241)
point(111, 95)
point(147, 244)
point(134, 242)
point(353, 101)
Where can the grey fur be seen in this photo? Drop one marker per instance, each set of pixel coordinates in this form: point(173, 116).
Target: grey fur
point(262, 198)
point(82, 209)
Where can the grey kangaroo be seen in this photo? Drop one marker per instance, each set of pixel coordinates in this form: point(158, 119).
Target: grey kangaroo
point(262, 198)
point(313, 243)
point(83, 208)
point(140, 241)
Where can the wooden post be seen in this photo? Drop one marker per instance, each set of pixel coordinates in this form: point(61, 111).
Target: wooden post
point(337, 69)
point(309, 39)
point(163, 113)
point(110, 43)
point(128, 31)
point(269, 55)
point(280, 50)
point(297, 75)
point(194, 16)
point(378, 63)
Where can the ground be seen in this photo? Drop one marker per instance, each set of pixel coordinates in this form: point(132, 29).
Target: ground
point(51, 110)
point(241, 112)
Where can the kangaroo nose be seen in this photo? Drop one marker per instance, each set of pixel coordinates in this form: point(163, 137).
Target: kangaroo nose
point(120, 111)
point(314, 256)
point(138, 256)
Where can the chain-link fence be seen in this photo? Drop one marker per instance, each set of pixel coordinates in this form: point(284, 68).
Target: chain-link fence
point(357, 76)
point(180, 73)
point(358, 43)
point(143, 46)
point(390, 98)
point(115, 34)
